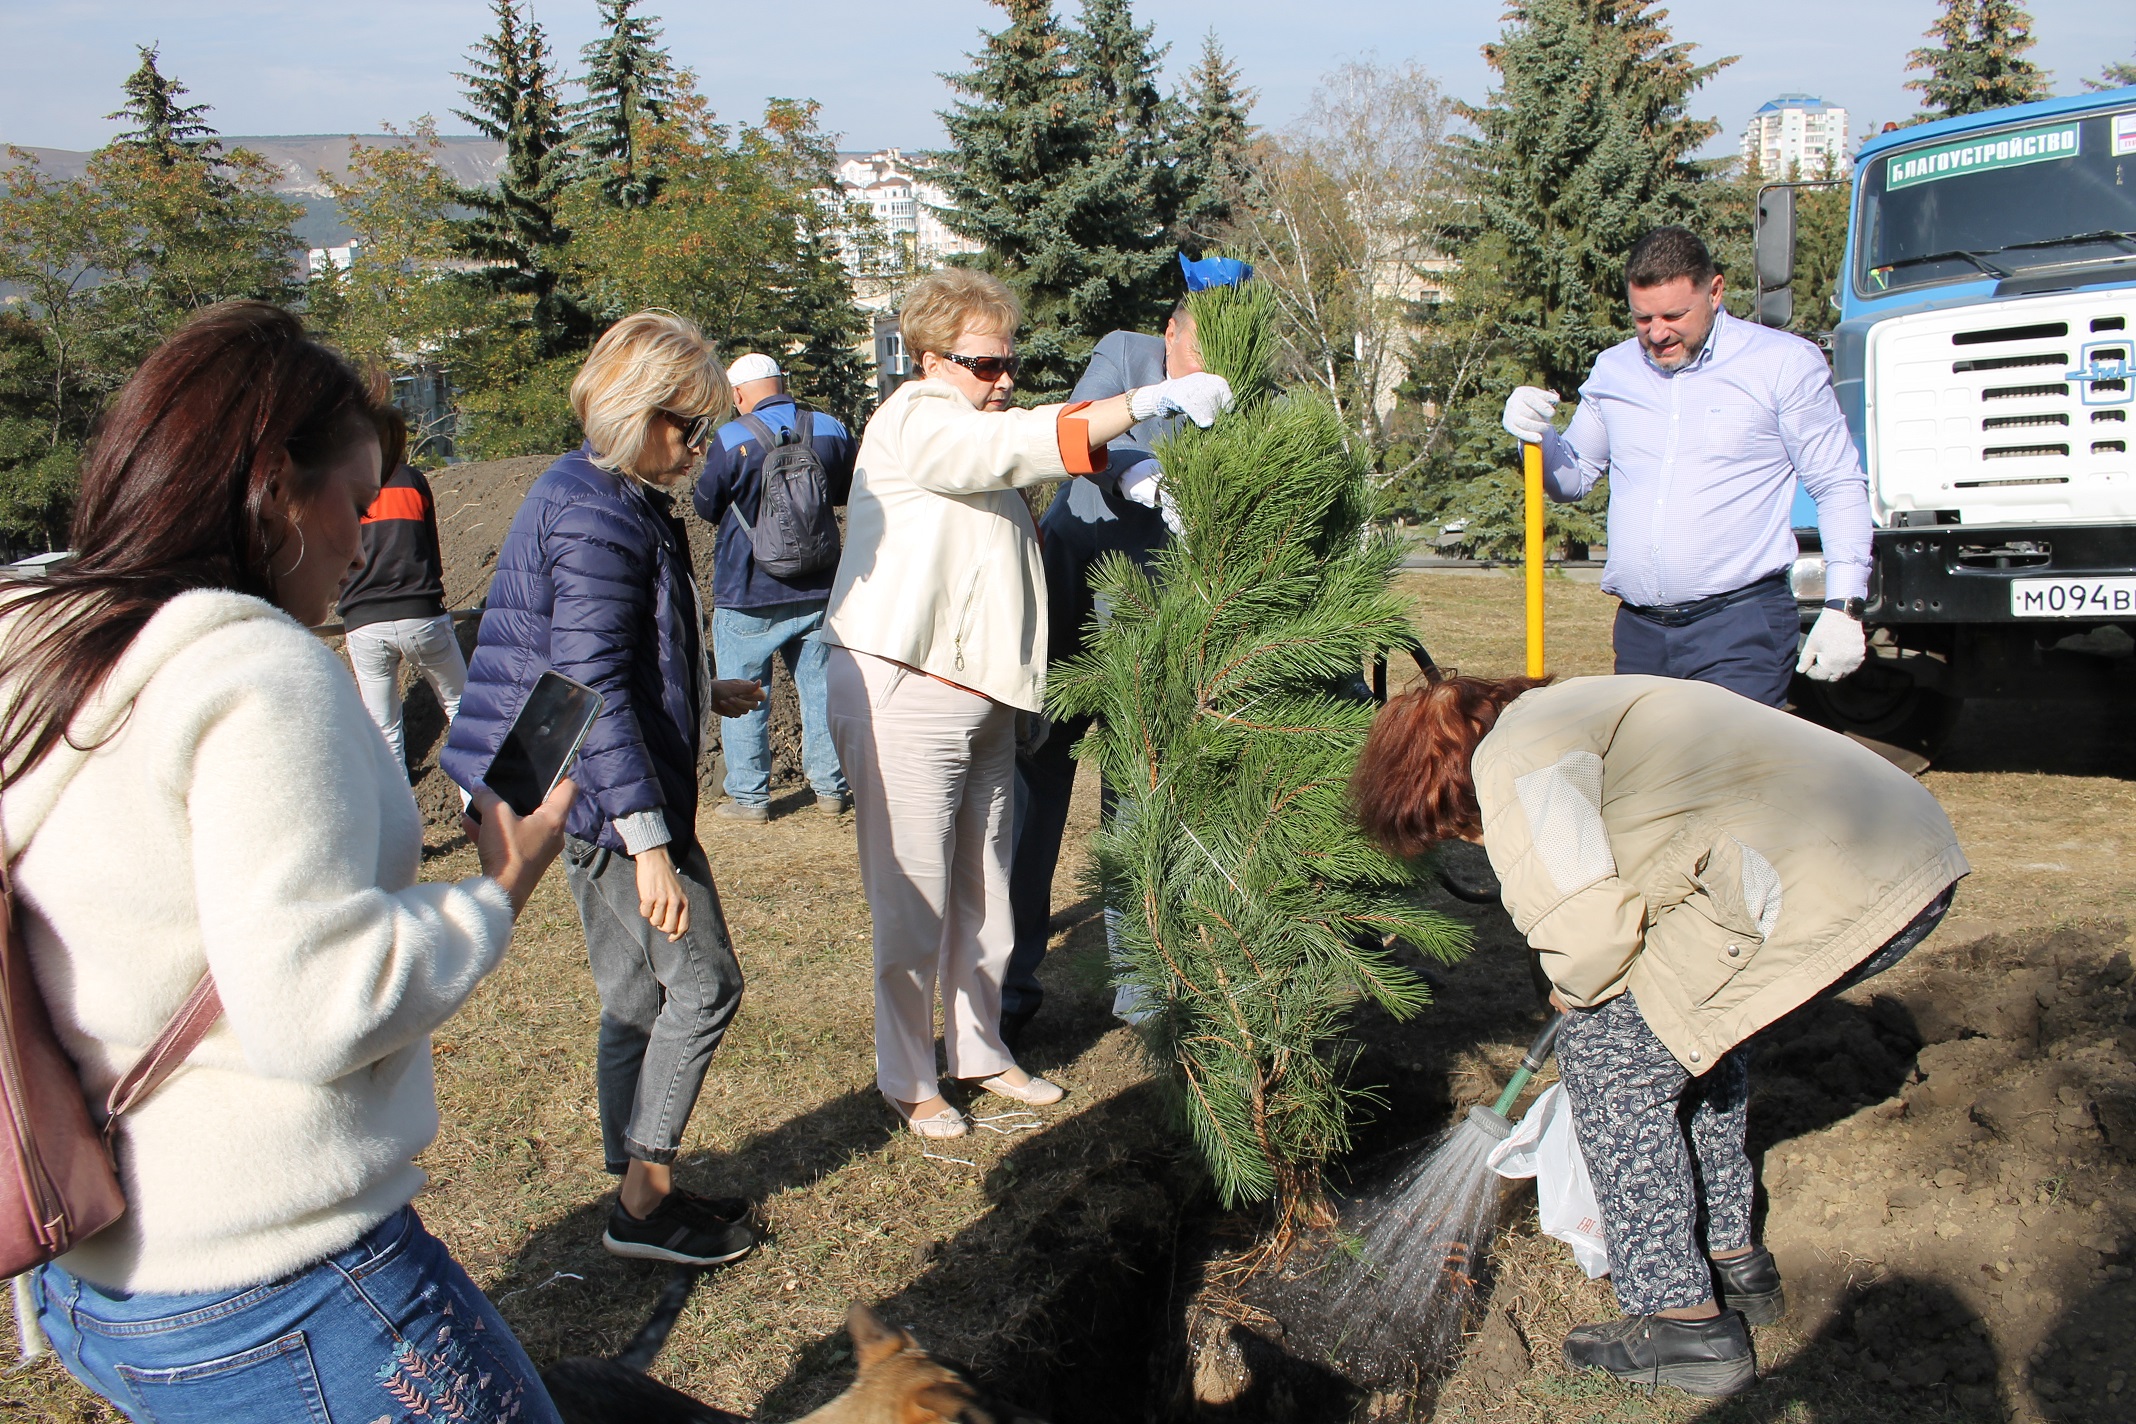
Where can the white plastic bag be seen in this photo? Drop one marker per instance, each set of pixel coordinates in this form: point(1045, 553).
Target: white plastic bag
point(1130, 1004)
point(1545, 1147)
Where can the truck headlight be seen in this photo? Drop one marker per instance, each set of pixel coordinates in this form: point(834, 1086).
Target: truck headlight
point(1806, 579)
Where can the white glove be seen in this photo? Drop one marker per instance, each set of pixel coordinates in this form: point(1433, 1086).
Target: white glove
point(1836, 646)
point(1528, 412)
point(1143, 482)
point(1200, 397)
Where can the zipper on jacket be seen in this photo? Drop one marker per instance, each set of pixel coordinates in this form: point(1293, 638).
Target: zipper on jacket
point(964, 620)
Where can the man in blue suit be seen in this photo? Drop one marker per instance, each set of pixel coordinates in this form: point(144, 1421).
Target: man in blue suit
point(1118, 509)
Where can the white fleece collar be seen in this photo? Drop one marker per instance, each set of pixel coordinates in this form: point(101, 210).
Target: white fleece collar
point(179, 624)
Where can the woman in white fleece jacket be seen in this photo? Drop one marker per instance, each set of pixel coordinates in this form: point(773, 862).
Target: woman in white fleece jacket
point(193, 787)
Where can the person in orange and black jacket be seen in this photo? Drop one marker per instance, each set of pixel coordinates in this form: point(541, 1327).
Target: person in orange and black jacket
point(395, 605)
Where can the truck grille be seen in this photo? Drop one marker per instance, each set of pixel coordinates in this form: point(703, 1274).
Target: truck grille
point(1995, 417)
point(2010, 333)
point(2057, 359)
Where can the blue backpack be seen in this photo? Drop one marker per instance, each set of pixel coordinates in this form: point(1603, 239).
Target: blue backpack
point(796, 531)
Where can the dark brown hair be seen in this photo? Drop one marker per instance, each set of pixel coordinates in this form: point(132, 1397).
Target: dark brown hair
point(392, 440)
point(175, 497)
point(1665, 254)
point(1412, 787)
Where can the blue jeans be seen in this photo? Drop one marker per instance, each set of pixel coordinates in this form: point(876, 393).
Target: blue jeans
point(390, 1328)
point(744, 642)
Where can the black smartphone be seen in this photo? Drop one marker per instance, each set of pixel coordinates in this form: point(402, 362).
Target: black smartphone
point(545, 736)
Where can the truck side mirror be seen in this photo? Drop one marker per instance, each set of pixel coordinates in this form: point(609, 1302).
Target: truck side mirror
point(1774, 256)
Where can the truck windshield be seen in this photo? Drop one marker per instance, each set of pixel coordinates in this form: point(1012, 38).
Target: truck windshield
point(2004, 201)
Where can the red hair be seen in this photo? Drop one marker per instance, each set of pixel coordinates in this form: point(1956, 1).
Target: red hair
point(1412, 787)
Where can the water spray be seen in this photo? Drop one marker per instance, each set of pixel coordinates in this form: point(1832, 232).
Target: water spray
point(1419, 1241)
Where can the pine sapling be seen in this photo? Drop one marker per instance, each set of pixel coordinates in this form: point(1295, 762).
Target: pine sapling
point(1226, 687)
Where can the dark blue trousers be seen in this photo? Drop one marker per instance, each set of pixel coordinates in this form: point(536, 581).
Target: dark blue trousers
point(1747, 646)
point(1045, 782)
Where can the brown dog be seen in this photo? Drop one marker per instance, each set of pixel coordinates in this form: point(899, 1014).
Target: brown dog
point(898, 1383)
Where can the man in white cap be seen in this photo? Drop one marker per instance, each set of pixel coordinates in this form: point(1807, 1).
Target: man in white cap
point(772, 564)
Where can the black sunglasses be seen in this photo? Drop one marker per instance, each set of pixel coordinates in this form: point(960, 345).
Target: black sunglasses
point(987, 368)
point(696, 429)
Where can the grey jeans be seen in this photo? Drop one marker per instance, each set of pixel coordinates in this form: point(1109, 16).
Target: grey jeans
point(664, 1006)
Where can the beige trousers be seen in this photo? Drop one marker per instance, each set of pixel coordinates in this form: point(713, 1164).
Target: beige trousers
point(932, 770)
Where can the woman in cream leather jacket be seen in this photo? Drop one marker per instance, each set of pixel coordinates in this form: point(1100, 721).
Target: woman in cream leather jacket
point(937, 638)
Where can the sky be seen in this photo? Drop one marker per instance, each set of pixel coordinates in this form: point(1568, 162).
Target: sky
point(271, 67)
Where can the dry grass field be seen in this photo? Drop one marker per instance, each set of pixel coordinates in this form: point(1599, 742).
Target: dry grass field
point(1953, 1253)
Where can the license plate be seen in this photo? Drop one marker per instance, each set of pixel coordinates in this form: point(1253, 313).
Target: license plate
point(2073, 598)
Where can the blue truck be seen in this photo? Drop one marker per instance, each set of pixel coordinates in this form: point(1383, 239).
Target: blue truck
point(1986, 320)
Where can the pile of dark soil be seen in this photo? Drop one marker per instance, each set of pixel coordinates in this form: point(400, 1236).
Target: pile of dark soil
point(1948, 1157)
point(1995, 1189)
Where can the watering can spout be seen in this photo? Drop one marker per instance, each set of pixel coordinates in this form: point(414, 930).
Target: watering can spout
point(1492, 1123)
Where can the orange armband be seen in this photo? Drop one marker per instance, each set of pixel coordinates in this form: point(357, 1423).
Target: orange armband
point(1073, 432)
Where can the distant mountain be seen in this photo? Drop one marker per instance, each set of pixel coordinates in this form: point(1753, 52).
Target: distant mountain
point(305, 161)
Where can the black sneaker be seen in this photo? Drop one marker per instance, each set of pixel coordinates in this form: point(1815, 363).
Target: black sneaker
point(721, 1211)
point(1710, 1358)
point(678, 1232)
point(1751, 1284)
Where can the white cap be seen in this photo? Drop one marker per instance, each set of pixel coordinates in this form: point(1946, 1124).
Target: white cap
point(756, 366)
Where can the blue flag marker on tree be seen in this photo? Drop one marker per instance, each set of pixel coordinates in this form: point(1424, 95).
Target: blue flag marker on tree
point(1213, 272)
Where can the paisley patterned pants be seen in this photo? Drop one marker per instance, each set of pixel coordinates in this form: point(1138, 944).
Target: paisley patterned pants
point(1665, 1151)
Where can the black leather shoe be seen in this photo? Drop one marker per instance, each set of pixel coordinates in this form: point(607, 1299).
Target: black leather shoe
point(1710, 1358)
point(1751, 1284)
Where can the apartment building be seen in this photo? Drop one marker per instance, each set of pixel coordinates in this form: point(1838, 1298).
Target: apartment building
point(1793, 136)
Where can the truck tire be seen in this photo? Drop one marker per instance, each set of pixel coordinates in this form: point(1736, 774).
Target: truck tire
point(1883, 704)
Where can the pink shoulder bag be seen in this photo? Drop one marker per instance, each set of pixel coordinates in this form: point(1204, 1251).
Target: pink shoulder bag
point(58, 1186)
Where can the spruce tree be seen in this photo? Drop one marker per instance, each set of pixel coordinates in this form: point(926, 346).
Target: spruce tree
point(166, 128)
point(1253, 916)
point(1585, 145)
point(629, 79)
point(1214, 126)
point(1134, 165)
point(1044, 176)
point(512, 98)
point(1977, 61)
point(2114, 76)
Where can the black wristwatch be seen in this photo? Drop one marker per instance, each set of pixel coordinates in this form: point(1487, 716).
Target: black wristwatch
point(1852, 607)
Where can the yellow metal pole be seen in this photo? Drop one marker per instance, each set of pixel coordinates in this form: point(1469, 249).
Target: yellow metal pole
point(1531, 457)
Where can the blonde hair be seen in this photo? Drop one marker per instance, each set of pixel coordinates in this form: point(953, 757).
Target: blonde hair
point(941, 304)
point(649, 361)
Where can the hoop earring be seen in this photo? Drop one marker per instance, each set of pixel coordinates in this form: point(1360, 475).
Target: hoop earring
point(302, 549)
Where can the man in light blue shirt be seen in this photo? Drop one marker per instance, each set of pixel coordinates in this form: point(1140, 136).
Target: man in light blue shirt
point(1704, 422)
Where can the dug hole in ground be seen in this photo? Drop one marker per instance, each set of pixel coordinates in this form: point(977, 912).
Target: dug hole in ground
point(1947, 1154)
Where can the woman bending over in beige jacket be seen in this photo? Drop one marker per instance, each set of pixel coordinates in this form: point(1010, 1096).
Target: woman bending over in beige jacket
point(1690, 866)
point(937, 640)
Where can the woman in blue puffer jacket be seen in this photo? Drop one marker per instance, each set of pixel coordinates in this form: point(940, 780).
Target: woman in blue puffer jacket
point(593, 581)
